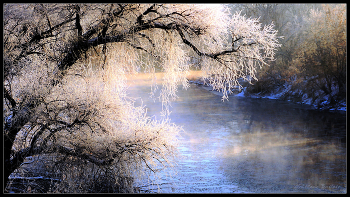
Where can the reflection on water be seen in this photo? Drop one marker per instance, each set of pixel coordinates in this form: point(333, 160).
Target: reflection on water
point(251, 145)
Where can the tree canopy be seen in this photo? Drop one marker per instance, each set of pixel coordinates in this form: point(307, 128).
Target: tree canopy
point(64, 75)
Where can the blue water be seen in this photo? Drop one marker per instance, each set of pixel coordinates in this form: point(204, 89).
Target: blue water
point(247, 145)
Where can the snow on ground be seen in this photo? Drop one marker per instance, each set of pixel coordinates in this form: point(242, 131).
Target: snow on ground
point(321, 102)
point(341, 106)
point(241, 94)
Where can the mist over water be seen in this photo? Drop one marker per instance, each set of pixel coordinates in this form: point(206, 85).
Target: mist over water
point(250, 145)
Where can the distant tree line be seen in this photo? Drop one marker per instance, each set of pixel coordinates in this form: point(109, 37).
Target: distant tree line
point(312, 58)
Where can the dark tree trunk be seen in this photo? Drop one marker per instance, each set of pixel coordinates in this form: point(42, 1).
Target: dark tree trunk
point(11, 129)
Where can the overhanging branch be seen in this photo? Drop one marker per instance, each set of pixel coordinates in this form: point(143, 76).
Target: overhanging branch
point(211, 55)
point(82, 46)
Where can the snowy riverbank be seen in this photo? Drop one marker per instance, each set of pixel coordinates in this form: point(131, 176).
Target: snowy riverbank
point(322, 104)
point(286, 93)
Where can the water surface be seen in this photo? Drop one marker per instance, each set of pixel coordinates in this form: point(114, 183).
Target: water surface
point(247, 145)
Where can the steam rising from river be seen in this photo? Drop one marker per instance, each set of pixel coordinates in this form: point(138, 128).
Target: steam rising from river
point(250, 145)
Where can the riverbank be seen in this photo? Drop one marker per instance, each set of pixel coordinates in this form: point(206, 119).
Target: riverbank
point(284, 93)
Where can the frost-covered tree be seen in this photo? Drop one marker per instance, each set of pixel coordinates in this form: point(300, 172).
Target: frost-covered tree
point(64, 75)
point(288, 20)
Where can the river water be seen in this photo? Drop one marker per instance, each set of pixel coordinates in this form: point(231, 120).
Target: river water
point(249, 145)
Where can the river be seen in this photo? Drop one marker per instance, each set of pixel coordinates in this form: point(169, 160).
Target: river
point(249, 145)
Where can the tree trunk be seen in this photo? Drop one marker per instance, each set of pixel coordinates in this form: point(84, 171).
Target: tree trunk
point(11, 130)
